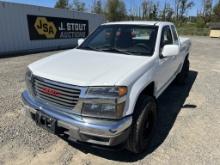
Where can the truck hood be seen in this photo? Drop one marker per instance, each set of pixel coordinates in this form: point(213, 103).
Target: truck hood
point(86, 68)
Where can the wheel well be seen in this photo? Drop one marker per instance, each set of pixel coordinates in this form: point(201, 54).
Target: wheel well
point(149, 90)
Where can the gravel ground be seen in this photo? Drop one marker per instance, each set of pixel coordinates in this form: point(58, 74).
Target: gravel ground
point(188, 128)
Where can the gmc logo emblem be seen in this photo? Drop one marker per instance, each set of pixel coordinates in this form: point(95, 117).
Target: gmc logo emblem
point(50, 91)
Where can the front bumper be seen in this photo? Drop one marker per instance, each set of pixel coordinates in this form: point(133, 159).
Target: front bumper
point(91, 130)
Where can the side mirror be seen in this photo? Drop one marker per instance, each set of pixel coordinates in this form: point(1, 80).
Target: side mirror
point(170, 50)
point(80, 41)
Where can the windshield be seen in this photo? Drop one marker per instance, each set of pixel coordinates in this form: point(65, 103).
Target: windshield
point(125, 39)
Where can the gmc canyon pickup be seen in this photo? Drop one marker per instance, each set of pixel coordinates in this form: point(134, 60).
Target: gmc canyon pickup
point(104, 91)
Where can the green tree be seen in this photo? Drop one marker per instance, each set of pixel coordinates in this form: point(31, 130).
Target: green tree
point(177, 7)
point(207, 10)
point(144, 6)
point(150, 9)
point(63, 4)
point(216, 12)
point(163, 15)
point(78, 6)
point(184, 6)
point(154, 12)
point(97, 7)
point(200, 23)
point(167, 12)
point(115, 10)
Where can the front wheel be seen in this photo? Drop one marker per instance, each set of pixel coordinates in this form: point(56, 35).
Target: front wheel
point(143, 124)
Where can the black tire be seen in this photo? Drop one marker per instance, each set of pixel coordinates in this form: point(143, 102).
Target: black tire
point(182, 76)
point(143, 127)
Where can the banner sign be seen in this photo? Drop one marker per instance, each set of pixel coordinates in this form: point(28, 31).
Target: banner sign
point(41, 28)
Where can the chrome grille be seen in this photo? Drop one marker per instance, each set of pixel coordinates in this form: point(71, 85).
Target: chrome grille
point(56, 93)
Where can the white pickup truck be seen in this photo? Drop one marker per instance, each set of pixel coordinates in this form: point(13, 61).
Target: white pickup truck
point(104, 91)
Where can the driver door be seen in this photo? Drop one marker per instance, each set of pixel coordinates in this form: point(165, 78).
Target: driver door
point(166, 65)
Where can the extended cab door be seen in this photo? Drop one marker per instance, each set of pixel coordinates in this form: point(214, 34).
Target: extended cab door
point(179, 58)
point(167, 66)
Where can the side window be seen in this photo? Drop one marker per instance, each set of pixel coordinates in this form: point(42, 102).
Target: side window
point(175, 36)
point(166, 38)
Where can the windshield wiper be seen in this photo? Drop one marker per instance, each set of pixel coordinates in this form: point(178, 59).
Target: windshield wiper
point(116, 50)
point(92, 48)
point(107, 49)
point(139, 53)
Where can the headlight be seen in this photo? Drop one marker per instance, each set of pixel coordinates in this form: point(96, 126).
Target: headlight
point(110, 111)
point(105, 102)
point(107, 91)
point(28, 80)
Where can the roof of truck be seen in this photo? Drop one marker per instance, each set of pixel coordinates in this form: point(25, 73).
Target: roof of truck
point(157, 23)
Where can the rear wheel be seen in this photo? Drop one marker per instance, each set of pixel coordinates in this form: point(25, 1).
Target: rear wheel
point(143, 124)
point(182, 76)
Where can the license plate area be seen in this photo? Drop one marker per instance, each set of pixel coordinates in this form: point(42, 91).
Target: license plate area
point(45, 121)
